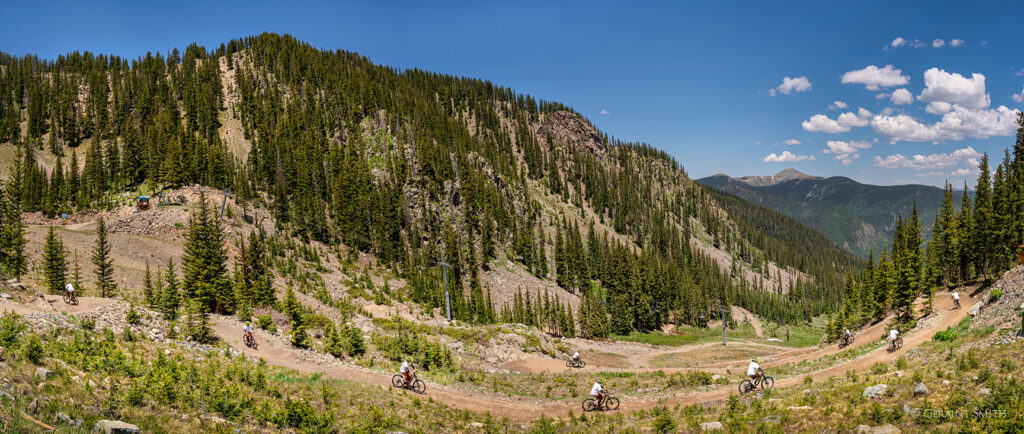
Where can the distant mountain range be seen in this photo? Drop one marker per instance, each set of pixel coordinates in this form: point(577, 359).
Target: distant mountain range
point(858, 217)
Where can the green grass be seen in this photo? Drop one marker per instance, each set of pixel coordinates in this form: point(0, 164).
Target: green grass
point(799, 336)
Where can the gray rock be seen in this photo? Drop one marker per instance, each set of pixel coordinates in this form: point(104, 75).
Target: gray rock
point(711, 426)
point(975, 310)
point(2, 350)
point(115, 427)
point(63, 418)
point(5, 295)
point(801, 408)
point(476, 424)
point(945, 382)
point(876, 391)
point(883, 429)
point(920, 390)
point(898, 374)
point(7, 396)
point(906, 408)
point(45, 374)
point(984, 391)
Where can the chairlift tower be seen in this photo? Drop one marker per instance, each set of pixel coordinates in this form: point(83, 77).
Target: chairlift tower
point(724, 310)
point(447, 299)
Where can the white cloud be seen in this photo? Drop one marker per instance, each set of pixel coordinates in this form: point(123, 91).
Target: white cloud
point(959, 123)
point(874, 77)
point(790, 85)
point(938, 107)
point(898, 42)
point(954, 88)
point(837, 105)
point(605, 112)
point(1018, 97)
point(787, 157)
point(928, 162)
point(820, 123)
point(938, 43)
point(902, 96)
point(963, 172)
point(882, 95)
point(956, 43)
point(791, 142)
point(845, 152)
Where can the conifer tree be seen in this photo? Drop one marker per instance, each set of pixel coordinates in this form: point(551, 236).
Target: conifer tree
point(147, 287)
point(55, 262)
point(293, 308)
point(982, 230)
point(171, 297)
point(103, 265)
point(12, 233)
point(204, 263)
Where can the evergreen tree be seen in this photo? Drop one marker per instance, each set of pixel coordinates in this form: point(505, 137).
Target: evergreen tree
point(171, 296)
point(148, 295)
point(12, 234)
point(982, 229)
point(55, 262)
point(204, 264)
point(103, 265)
point(293, 309)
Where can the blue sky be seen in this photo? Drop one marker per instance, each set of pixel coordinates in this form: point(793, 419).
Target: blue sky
point(704, 81)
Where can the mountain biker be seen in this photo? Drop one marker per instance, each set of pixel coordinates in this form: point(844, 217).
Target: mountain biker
point(69, 289)
point(893, 336)
point(406, 371)
point(753, 370)
point(598, 391)
point(846, 333)
point(576, 356)
point(247, 333)
point(956, 298)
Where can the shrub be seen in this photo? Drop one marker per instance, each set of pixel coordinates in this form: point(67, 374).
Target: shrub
point(354, 345)
point(664, 422)
point(947, 335)
point(968, 361)
point(879, 368)
point(994, 295)
point(133, 316)
point(11, 327)
point(33, 349)
point(265, 322)
point(901, 363)
point(88, 323)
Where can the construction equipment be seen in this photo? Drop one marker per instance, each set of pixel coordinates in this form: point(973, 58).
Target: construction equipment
point(142, 203)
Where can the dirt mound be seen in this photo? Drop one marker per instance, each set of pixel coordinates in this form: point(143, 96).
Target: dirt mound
point(160, 221)
point(572, 131)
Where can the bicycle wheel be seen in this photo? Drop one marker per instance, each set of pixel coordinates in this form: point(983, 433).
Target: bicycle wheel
point(74, 299)
point(568, 363)
point(589, 404)
point(899, 343)
point(746, 386)
point(67, 298)
point(397, 380)
point(419, 387)
point(582, 364)
point(768, 383)
point(611, 403)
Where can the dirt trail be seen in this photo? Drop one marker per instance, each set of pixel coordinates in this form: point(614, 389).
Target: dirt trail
point(275, 352)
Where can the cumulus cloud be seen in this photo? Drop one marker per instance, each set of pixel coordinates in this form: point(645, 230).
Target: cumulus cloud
point(959, 123)
point(790, 85)
point(938, 107)
point(1018, 97)
point(845, 152)
point(898, 42)
point(956, 43)
point(874, 77)
point(837, 105)
point(791, 142)
point(902, 96)
point(787, 157)
point(938, 43)
point(954, 88)
point(928, 162)
point(820, 123)
point(605, 112)
point(963, 172)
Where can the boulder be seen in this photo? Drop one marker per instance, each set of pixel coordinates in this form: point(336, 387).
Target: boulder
point(920, 390)
point(711, 426)
point(115, 427)
point(5, 395)
point(882, 429)
point(876, 391)
point(476, 424)
point(975, 309)
point(2, 349)
point(945, 382)
point(63, 418)
point(984, 391)
point(45, 374)
point(801, 408)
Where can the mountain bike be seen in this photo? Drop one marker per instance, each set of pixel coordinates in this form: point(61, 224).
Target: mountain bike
point(763, 382)
point(398, 380)
point(609, 403)
point(956, 304)
point(845, 341)
point(70, 297)
point(575, 363)
point(250, 341)
point(895, 345)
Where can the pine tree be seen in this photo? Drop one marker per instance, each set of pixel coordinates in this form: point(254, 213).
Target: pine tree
point(55, 262)
point(147, 287)
point(965, 248)
point(102, 263)
point(981, 236)
point(171, 297)
point(293, 308)
point(12, 232)
point(204, 264)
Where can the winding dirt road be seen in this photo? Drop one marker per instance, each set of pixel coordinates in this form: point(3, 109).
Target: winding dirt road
point(277, 353)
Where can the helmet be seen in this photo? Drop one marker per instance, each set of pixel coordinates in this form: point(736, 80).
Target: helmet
point(599, 381)
point(754, 359)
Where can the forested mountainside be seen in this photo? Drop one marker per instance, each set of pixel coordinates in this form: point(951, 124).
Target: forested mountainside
point(860, 218)
point(412, 166)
